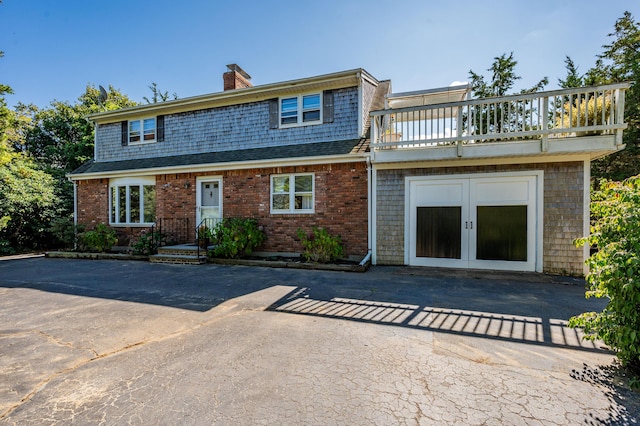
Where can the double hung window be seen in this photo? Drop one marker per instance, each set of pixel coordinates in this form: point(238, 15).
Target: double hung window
point(143, 130)
point(301, 110)
point(292, 193)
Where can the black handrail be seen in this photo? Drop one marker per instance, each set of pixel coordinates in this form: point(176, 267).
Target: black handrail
point(206, 223)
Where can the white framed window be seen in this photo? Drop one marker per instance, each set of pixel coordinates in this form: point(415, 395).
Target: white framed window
point(293, 193)
point(142, 130)
point(301, 110)
point(132, 201)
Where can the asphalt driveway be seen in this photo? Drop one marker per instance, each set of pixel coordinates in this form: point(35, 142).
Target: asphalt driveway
point(116, 342)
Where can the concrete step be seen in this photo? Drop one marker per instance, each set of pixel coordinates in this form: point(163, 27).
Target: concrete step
point(178, 259)
point(184, 249)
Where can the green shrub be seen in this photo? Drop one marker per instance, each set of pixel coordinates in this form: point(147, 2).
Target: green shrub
point(101, 239)
point(5, 248)
point(614, 269)
point(205, 235)
point(64, 232)
point(236, 237)
point(320, 246)
point(148, 243)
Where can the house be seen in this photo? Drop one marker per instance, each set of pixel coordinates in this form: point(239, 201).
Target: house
point(423, 178)
point(291, 154)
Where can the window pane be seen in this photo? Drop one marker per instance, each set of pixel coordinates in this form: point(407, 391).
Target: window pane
point(210, 194)
point(149, 129)
point(289, 111)
point(289, 105)
point(439, 232)
point(311, 102)
point(122, 204)
point(114, 202)
point(290, 119)
point(502, 233)
point(281, 184)
point(311, 116)
point(149, 203)
point(311, 108)
point(134, 204)
point(134, 131)
point(281, 202)
point(304, 202)
point(304, 183)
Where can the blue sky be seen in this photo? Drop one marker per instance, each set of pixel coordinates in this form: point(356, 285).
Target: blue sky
point(53, 49)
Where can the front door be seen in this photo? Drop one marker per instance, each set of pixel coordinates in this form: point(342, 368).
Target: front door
point(209, 200)
point(485, 222)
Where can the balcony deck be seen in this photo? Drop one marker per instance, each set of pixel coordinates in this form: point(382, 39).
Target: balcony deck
point(575, 122)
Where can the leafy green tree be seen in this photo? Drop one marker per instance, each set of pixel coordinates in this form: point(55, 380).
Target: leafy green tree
point(620, 62)
point(503, 78)
point(60, 138)
point(614, 269)
point(27, 198)
point(158, 96)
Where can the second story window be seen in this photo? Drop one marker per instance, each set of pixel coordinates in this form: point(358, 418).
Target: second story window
point(143, 130)
point(301, 110)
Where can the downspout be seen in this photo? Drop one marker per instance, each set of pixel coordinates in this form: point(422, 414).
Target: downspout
point(371, 176)
point(75, 214)
point(369, 212)
point(586, 223)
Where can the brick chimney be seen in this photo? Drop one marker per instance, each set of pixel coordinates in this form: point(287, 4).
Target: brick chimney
point(236, 78)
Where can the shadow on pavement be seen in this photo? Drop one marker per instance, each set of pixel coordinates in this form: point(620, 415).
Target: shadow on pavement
point(522, 308)
point(519, 307)
point(178, 286)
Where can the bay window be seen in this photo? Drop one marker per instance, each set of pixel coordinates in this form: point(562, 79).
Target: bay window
point(132, 201)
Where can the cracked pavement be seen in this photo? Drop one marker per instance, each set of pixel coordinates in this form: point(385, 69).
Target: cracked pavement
point(106, 342)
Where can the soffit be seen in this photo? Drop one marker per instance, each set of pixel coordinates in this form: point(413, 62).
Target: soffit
point(442, 95)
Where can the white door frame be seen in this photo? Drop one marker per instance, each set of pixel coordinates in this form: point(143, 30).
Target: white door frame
point(535, 210)
point(199, 181)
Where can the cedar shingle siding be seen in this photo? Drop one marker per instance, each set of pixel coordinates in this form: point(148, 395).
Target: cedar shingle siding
point(236, 127)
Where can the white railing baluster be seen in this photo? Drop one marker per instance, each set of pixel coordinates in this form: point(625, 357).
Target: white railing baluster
point(552, 114)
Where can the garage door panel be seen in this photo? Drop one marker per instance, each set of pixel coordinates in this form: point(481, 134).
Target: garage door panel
point(440, 193)
point(496, 191)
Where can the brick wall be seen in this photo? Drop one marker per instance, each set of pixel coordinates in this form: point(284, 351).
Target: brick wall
point(93, 202)
point(562, 218)
point(340, 203)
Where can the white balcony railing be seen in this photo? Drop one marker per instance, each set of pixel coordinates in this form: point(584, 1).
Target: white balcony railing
point(597, 110)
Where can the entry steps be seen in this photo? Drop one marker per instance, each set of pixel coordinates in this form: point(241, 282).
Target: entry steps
point(184, 254)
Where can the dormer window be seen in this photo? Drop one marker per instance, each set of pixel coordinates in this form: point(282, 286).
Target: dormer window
point(301, 110)
point(142, 131)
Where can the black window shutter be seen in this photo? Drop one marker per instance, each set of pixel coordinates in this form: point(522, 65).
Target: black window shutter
point(160, 128)
point(327, 106)
point(273, 114)
point(125, 132)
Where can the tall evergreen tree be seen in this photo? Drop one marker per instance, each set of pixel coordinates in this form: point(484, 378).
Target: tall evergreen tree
point(503, 78)
point(573, 78)
point(620, 62)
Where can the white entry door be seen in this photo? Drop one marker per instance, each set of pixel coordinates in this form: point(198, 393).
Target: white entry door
point(209, 200)
point(483, 222)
